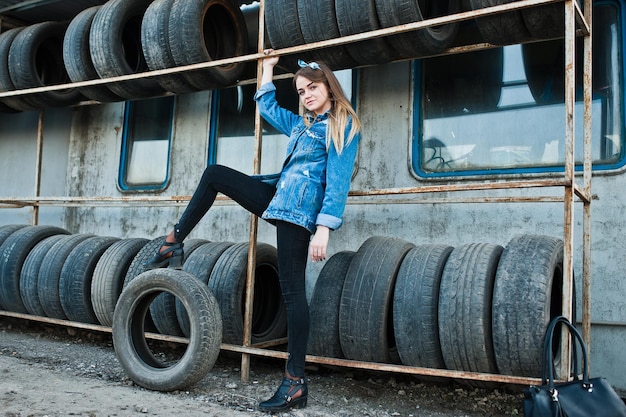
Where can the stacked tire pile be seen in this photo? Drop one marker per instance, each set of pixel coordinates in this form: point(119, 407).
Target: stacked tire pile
point(48, 272)
point(476, 308)
point(123, 37)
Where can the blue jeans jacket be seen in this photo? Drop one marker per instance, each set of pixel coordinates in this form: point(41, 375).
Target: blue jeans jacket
point(313, 186)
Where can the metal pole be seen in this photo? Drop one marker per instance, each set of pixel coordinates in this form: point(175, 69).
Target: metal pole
point(568, 237)
point(254, 221)
point(38, 163)
point(587, 177)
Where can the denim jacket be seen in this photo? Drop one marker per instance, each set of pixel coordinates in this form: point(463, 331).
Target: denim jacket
point(312, 188)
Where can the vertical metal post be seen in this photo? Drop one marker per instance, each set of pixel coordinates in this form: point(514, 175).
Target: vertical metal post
point(587, 176)
point(568, 236)
point(38, 163)
point(254, 221)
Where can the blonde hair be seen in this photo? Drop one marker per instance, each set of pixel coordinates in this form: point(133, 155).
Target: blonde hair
point(341, 111)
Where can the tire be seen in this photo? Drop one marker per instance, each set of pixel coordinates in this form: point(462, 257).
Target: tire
point(145, 253)
point(131, 347)
point(77, 57)
point(527, 296)
point(6, 109)
point(227, 283)
point(29, 278)
point(465, 297)
point(283, 30)
point(324, 306)
point(76, 278)
point(358, 16)
point(13, 253)
point(163, 308)
point(318, 22)
point(5, 232)
point(503, 28)
point(115, 47)
point(156, 46)
point(543, 65)
point(415, 306)
point(545, 22)
point(365, 313)
point(482, 84)
point(427, 41)
point(36, 60)
point(109, 274)
point(200, 264)
point(206, 30)
point(50, 275)
point(17, 103)
point(8, 230)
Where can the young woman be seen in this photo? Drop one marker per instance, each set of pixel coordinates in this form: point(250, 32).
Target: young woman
point(306, 198)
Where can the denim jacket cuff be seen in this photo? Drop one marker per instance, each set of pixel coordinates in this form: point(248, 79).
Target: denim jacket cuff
point(265, 88)
point(329, 221)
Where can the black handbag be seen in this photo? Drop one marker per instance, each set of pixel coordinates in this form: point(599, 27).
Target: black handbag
point(578, 398)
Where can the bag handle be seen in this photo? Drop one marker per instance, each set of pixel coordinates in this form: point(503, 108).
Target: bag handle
point(548, 358)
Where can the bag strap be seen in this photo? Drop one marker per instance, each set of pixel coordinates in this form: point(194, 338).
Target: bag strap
point(548, 358)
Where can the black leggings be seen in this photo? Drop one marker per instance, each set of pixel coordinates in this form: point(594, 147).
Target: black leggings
point(292, 244)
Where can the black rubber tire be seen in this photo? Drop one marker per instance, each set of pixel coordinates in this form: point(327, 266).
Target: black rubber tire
point(545, 22)
point(365, 314)
point(422, 42)
point(543, 65)
point(206, 30)
point(481, 84)
point(358, 16)
point(318, 22)
point(115, 47)
point(6, 84)
point(527, 295)
point(13, 253)
point(163, 308)
point(283, 30)
point(145, 253)
point(227, 282)
point(8, 230)
point(415, 306)
point(131, 347)
point(50, 274)
point(5, 232)
point(77, 57)
point(36, 60)
point(109, 274)
point(324, 306)
point(503, 28)
point(200, 264)
point(465, 297)
point(76, 278)
point(156, 46)
point(29, 278)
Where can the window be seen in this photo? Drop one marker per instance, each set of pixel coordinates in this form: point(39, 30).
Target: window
point(502, 110)
point(146, 144)
point(232, 126)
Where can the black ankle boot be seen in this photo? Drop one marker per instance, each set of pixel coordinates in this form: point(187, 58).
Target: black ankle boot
point(162, 260)
point(284, 399)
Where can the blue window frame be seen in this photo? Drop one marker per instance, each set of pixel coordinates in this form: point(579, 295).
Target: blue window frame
point(502, 111)
point(146, 144)
point(232, 125)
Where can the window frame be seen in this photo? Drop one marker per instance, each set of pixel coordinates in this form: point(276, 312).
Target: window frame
point(127, 141)
point(416, 156)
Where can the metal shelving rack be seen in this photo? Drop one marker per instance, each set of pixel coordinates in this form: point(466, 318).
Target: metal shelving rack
point(577, 23)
